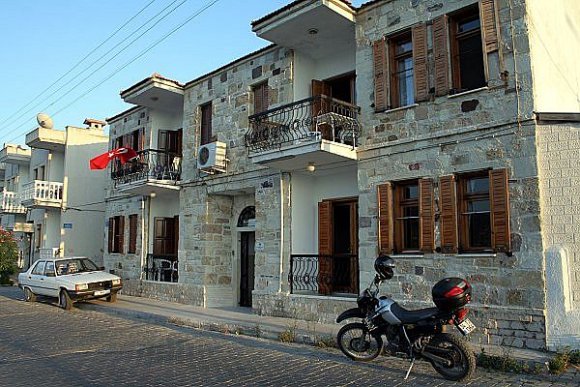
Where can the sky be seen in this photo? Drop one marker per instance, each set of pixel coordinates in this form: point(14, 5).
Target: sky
point(71, 59)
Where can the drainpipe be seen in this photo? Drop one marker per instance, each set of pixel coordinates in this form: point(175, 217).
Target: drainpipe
point(145, 208)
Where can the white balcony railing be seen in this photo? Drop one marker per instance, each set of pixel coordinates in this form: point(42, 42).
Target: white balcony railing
point(40, 192)
point(11, 203)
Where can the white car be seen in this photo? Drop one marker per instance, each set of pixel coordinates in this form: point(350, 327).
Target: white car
point(69, 279)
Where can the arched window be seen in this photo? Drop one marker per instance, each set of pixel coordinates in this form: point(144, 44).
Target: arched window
point(247, 217)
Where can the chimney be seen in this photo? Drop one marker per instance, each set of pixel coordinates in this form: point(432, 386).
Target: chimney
point(94, 124)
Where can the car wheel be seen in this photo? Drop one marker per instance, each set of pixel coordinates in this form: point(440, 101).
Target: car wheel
point(64, 300)
point(29, 295)
point(112, 297)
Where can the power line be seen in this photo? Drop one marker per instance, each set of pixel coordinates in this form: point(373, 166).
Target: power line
point(102, 56)
point(79, 62)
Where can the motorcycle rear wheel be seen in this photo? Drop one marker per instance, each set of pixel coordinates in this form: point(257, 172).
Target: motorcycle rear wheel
point(457, 351)
point(357, 343)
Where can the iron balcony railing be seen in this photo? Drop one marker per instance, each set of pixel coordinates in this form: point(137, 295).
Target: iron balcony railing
point(151, 164)
point(11, 203)
point(161, 268)
point(43, 191)
point(319, 117)
point(323, 274)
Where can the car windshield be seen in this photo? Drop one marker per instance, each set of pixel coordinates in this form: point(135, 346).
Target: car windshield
point(74, 265)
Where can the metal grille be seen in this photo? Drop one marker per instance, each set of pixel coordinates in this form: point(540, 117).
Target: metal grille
point(305, 277)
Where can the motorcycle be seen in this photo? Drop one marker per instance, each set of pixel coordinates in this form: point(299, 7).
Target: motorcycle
point(411, 334)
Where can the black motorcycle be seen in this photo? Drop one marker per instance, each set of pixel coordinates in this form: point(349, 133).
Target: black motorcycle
point(411, 334)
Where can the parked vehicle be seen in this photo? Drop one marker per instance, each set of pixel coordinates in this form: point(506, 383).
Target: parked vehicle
point(69, 279)
point(412, 334)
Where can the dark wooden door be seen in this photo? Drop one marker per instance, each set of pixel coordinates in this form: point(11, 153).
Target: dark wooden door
point(345, 246)
point(248, 241)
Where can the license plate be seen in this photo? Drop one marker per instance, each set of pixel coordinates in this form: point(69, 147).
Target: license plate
point(466, 326)
point(101, 292)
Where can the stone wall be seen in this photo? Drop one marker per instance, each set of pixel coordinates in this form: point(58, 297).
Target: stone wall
point(558, 156)
point(165, 291)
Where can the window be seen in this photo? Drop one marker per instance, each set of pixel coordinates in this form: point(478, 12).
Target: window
point(401, 65)
point(407, 216)
point(39, 173)
point(206, 116)
point(467, 64)
point(39, 268)
point(116, 234)
point(38, 236)
point(132, 234)
point(475, 214)
point(261, 101)
point(49, 270)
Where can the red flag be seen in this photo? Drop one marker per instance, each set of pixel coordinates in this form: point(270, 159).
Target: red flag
point(124, 154)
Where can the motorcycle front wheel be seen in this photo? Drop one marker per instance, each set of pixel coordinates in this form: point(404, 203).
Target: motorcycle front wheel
point(356, 342)
point(457, 359)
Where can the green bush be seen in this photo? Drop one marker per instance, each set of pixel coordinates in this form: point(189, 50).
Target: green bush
point(8, 256)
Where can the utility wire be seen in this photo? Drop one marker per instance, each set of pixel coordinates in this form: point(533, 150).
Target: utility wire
point(101, 57)
point(186, 21)
point(79, 62)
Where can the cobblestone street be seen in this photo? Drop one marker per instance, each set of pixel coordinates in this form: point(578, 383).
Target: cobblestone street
point(42, 344)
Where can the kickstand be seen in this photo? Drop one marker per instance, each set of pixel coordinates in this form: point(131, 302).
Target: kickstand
point(410, 368)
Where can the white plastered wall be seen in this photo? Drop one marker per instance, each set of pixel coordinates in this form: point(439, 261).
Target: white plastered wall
point(162, 120)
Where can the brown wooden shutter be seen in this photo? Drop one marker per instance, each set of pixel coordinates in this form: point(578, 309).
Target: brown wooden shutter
point(176, 234)
point(489, 25)
point(206, 124)
point(441, 55)
point(121, 234)
point(420, 63)
point(500, 207)
point(385, 208)
point(132, 234)
point(380, 75)
point(261, 98)
point(427, 215)
point(325, 247)
point(448, 205)
point(111, 235)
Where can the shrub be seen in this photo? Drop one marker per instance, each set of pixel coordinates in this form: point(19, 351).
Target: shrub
point(8, 256)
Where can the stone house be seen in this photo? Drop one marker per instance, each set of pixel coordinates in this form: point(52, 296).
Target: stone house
point(442, 133)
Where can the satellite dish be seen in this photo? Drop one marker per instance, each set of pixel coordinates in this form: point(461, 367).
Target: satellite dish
point(44, 120)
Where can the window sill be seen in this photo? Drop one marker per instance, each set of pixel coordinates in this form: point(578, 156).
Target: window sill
point(468, 92)
point(476, 255)
point(400, 108)
point(403, 256)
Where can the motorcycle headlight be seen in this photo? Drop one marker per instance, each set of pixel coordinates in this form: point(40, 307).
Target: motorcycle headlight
point(116, 282)
point(80, 287)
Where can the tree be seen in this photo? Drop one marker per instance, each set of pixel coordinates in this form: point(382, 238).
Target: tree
point(8, 256)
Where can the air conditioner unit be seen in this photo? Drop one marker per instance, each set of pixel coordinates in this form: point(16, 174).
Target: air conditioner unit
point(211, 157)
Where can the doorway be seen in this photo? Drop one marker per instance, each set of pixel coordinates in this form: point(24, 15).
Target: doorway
point(247, 254)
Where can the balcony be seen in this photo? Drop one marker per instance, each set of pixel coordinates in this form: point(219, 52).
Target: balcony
point(42, 194)
point(48, 139)
point(323, 274)
point(319, 130)
point(153, 169)
point(11, 203)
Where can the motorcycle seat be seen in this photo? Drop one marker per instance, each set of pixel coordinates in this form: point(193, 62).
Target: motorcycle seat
point(413, 316)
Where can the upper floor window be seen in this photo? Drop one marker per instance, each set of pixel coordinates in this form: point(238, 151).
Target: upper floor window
point(206, 118)
point(116, 234)
point(401, 65)
point(467, 64)
point(260, 92)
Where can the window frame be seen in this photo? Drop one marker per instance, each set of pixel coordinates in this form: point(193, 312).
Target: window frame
point(393, 59)
point(455, 19)
point(400, 202)
point(117, 233)
point(205, 132)
point(463, 198)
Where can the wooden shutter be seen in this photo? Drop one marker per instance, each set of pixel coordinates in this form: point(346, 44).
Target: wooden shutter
point(261, 98)
point(159, 236)
point(380, 75)
point(132, 234)
point(325, 247)
point(385, 208)
point(421, 73)
point(162, 139)
point(489, 25)
point(111, 235)
point(427, 215)
point(121, 234)
point(500, 216)
point(448, 205)
point(206, 116)
point(441, 55)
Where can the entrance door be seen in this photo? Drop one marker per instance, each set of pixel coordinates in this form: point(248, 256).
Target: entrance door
point(248, 240)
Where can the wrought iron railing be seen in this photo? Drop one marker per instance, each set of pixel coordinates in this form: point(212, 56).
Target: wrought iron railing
point(313, 118)
point(45, 191)
point(11, 203)
point(161, 268)
point(323, 274)
point(151, 164)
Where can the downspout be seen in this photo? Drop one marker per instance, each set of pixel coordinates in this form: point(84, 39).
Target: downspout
point(144, 233)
